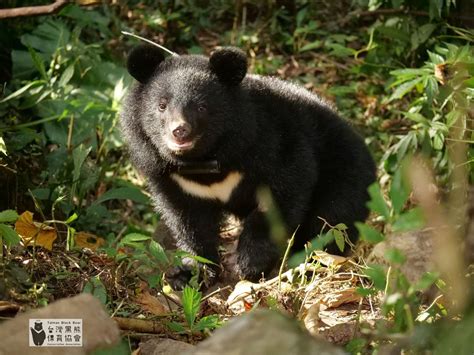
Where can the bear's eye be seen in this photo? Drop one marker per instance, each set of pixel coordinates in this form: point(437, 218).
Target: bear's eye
point(202, 108)
point(162, 106)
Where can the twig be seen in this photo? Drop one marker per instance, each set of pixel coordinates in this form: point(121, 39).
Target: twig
point(33, 10)
point(215, 292)
point(270, 282)
point(285, 257)
point(118, 308)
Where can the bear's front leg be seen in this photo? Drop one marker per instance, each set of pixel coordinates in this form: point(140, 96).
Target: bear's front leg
point(257, 254)
point(195, 227)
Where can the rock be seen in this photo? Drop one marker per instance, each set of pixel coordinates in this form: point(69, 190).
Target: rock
point(164, 347)
point(339, 334)
point(263, 332)
point(416, 246)
point(99, 331)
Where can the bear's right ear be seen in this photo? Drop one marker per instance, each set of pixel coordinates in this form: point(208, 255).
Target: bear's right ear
point(143, 60)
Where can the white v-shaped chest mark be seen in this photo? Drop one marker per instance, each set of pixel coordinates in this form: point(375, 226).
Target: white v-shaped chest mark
point(221, 190)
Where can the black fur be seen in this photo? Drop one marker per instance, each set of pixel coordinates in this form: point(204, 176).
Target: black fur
point(275, 133)
point(143, 60)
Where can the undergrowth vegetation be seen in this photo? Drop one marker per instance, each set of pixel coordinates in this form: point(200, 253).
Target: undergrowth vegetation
point(74, 216)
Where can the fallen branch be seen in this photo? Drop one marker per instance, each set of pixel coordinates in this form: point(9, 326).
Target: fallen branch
point(43, 9)
point(33, 10)
point(140, 325)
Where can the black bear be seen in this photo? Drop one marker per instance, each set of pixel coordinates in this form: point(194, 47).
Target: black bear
point(38, 333)
point(207, 135)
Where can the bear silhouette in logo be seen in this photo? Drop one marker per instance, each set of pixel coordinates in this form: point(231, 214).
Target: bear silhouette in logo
point(38, 333)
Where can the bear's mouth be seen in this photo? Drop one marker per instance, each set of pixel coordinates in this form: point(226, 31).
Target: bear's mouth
point(179, 146)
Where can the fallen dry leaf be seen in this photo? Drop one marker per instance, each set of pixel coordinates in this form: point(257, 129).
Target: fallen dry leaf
point(88, 240)
point(151, 304)
point(241, 299)
point(311, 320)
point(8, 308)
point(329, 259)
point(335, 299)
point(36, 233)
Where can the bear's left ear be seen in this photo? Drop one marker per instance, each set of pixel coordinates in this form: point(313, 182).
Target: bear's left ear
point(143, 60)
point(229, 64)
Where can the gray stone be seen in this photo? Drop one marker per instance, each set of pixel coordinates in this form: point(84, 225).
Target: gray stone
point(164, 347)
point(416, 246)
point(99, 330)
point(263, 332)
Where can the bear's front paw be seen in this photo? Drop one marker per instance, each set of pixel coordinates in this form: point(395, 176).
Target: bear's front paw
point(253, 269)
point(179, 276)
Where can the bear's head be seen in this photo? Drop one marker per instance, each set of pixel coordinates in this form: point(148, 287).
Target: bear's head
point(38, 325)
point(189, 105)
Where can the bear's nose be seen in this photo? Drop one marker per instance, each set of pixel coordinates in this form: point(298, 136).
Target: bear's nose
point(182, 132)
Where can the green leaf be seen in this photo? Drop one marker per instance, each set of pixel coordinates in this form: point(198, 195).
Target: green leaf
point(202, 260)
point(176, 327)
point(124, 193)
point(436, 6)
point(377, 202)
point(191, 300)
point(469, 83)
point(154, 279)
point(79, 155)
point(406, 142)
point(377, 274)
point(395, 256)
point(340, 226)
point(38, 62)
point(364, 292)
point(48, 37)
point(20, 91)
point(3, 146)
point(368, 233)
point(431, 88)
point(338, 50)
point(404, 88)
point(421, 35)
point(209, 322)
point(134, 237)
point(66, 76)
point(10, 236)
point(339, 239)
point(409, 73)
point(96, 288)
point(158, 252)
point(311, 46)
point(121, 348)
point(8, 216)
point(435, 58)
point(452, 117)
point(410, 220)
point(438, 141)
point(426, 280)
point(399, 191)
point(357, 345)
point(416, 117)
point(72, 218)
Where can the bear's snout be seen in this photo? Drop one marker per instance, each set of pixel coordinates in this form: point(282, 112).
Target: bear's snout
point(180, 136)
point(182, 132)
